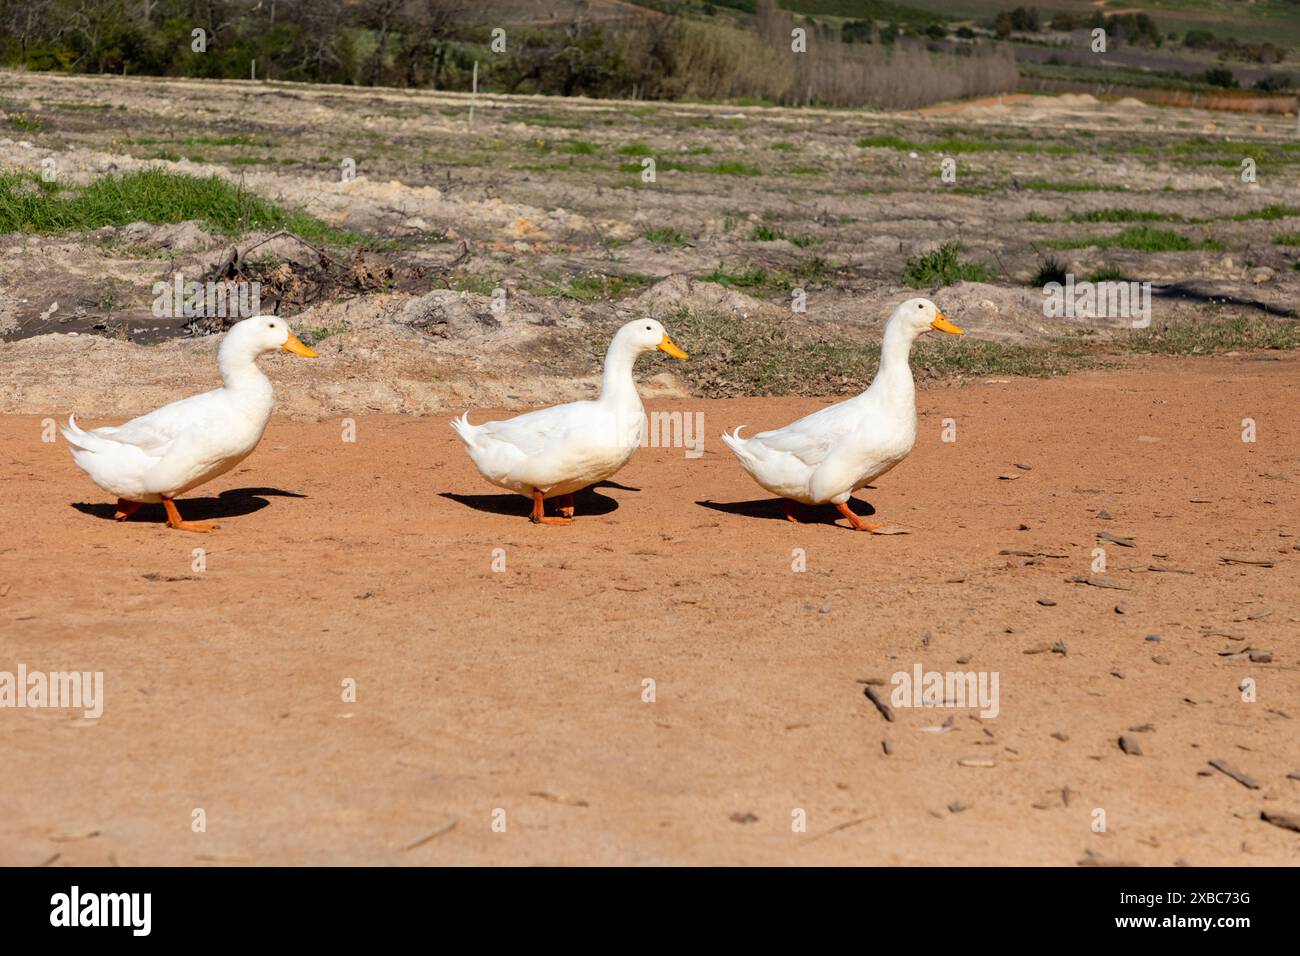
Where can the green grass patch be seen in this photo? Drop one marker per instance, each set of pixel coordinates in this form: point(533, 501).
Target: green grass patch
point(785, 147)
point(597, 287)
point(1058, 186)
point(635, 149)
point(730, 169)
point(579, 147)
point(1268, 213)
point(1141, 238)
point(1124, 215)
point(1107, 274)
point(1288, 239)
point(942, 267)
point(1240, 333)
point(665, 236)
point(28, 122)
point(150, 195)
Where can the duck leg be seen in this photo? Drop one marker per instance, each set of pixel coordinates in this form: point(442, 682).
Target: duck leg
point(791, 510)
point(857, 523)
point(539, 511)
point(566, 505)
point(174, 519)
point(126, 508)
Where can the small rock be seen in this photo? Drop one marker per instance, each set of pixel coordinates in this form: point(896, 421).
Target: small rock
point(1047, 602)
point(824, 609)
point(975, 762)
point(1153, 638)
point(1105, 515)
point(1121, 608)
point(1287, 821)
point(1116, 539)
point(1130, 746)
point(1224, 767)
point(1160, 659)
point(957, 806)
point(1098, 581)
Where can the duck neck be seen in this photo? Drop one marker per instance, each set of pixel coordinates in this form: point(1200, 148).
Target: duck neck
point(616, 383)
point(894, 376)
point(240, 374)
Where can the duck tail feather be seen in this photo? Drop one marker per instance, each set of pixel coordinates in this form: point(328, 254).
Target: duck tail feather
point(464, 429)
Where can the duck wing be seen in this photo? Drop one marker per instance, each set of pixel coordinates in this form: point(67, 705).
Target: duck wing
point(811, 438)
point(533, 433)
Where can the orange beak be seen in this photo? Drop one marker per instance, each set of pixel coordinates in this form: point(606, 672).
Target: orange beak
point(943, 325)
point(294, 344)
point(667, 346)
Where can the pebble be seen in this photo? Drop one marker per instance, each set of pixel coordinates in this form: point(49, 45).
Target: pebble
point(824, 609)
point(975, 762)
point(1116, 539)
point(1130, 746)
point(957, 806)
point(1099, 581)
point(1121, 608)
point(1287, 821)
point(1224, 767)
point(1160, 659)
point(1154, 638)
point(1105, 515)
point(1047, 602)
point(885, 710)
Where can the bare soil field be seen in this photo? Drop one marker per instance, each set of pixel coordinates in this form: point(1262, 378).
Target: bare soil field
point(518, 693)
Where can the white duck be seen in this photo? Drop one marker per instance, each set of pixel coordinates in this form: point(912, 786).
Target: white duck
point(553, 452)
point(827, 455)
point(167, 452)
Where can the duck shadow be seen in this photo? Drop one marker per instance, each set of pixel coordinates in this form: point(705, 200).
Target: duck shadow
point(585, 502)
point(229, 504)
point(774, 509)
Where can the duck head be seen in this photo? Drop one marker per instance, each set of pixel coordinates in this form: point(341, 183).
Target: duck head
point(645, 335)
point(262, 333)
point(918, 316)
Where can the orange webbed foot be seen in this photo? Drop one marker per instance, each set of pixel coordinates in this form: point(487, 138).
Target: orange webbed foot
point(174, 520)
point(857, 523)
point(539, 515)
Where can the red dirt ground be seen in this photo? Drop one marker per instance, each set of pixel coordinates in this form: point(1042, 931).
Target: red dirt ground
point(521, 690)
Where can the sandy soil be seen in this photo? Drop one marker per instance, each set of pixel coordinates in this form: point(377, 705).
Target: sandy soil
point(521, 690)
